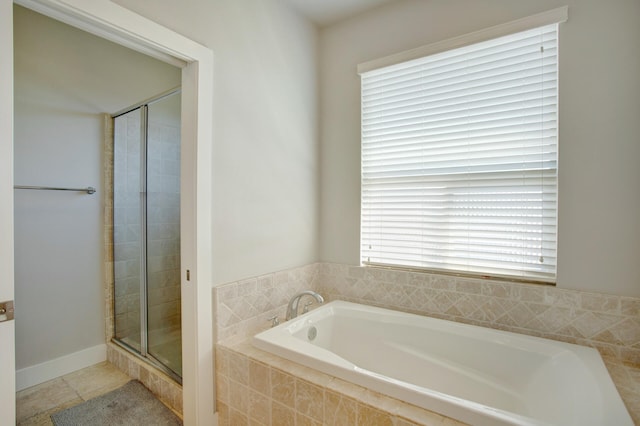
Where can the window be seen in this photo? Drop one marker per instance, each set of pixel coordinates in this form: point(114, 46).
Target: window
point(459, 159)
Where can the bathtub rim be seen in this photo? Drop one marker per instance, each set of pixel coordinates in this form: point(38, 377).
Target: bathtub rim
point(271, 340)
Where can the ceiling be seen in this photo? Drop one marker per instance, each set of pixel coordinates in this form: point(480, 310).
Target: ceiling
point(327, 12)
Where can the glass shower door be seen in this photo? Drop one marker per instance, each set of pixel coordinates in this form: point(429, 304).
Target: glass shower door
point(163, 232)
point(128, 248)
point(146, 234)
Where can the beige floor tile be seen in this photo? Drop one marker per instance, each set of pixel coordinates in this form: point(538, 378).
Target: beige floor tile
point(43, 397)
point(35, 404)
point(96, 380)
point(44, 418)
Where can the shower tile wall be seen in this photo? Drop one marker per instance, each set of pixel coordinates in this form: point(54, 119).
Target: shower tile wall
point(163, 231)
point(126, 229)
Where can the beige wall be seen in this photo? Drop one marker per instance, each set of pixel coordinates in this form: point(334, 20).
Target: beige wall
point(265, 147)
point(64, 80)
point(599, 145)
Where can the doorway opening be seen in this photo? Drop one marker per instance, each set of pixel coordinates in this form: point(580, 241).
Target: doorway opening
point(115, 23)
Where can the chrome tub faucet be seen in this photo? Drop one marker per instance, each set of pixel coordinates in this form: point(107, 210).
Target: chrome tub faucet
point(292, 308)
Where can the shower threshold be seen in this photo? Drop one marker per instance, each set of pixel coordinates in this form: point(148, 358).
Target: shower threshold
point(158, 363)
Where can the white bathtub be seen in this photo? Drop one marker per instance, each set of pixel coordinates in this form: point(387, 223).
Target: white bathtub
point(473, 374)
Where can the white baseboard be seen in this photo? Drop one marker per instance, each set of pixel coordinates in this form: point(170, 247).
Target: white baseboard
point(40, 373)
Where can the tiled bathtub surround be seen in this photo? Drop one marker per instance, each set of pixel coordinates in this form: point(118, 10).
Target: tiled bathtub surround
point(243, 308)
point(257, 388)
point(609, 323)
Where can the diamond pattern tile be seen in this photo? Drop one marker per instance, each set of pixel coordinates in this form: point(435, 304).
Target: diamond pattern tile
point(609, 323)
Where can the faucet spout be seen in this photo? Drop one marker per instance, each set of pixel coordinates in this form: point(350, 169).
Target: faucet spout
point(292, 308)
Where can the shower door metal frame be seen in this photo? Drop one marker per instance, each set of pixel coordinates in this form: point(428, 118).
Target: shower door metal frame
point(143, 353)
point(144, 281)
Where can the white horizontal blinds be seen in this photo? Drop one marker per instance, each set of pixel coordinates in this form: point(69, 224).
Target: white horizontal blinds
point(459, 153)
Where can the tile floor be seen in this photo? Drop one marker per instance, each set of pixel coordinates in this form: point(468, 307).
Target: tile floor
point(34, 405)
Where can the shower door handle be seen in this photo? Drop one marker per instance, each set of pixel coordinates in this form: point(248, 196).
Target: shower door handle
point(6, 311)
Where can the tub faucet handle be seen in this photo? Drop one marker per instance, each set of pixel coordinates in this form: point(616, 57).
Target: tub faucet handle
point(305, 309)
point(274, 320)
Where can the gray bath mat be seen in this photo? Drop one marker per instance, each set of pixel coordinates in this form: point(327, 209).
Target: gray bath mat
point(131, 404)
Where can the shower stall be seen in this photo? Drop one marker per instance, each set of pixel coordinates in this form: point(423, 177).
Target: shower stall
point(146, 231)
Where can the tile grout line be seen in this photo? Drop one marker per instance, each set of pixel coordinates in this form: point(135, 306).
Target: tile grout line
point(64, 379)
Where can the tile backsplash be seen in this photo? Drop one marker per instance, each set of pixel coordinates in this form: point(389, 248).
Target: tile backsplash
point(609, 323)
point(244, 308)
